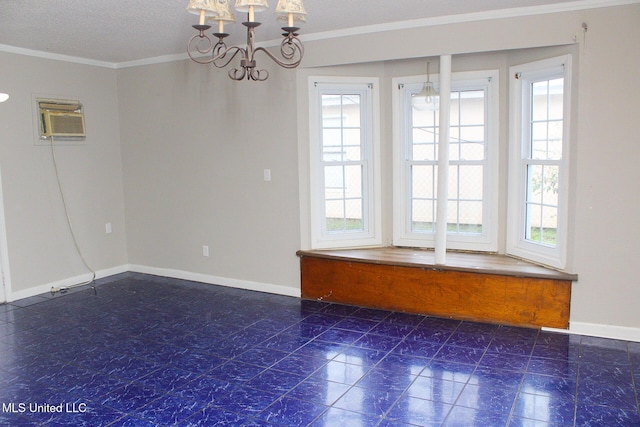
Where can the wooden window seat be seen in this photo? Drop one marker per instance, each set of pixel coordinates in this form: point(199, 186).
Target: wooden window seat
point(480, 287)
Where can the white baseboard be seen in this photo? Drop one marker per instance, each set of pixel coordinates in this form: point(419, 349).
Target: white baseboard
point(603, 331)
point(70, 281)
point(606, 331)
point(217, 280)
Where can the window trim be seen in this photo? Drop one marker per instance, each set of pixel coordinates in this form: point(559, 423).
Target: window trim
point(372, 206)
point(487, 241)
point(517, 244)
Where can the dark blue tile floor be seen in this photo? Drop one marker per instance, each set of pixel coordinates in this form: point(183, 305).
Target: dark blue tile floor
point(149, 351)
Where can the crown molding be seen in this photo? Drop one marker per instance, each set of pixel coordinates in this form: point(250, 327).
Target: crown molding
point(56, 56)
point(465, 17)
point(154, 60)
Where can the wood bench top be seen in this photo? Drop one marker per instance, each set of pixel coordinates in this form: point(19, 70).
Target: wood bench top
point(455, 261)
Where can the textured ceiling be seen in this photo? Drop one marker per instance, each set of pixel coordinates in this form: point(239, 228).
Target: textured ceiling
point(117, 31)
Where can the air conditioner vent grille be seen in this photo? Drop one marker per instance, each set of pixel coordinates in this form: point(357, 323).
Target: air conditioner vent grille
point(64, 124)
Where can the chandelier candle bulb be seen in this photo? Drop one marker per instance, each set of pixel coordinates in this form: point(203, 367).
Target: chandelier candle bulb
point(224, 14)
point(251, 14)
point(203, 8)
point(290, 11)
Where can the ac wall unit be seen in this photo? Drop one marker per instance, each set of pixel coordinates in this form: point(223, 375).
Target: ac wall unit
point(62, 123)
point(61, 119)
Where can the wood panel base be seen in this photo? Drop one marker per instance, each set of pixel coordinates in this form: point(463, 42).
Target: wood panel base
point(491, 298)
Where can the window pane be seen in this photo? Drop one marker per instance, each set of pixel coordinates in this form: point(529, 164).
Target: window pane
point(465, 199)
point(534, 184)
point(550, 185)
point(352, 154)
point(351, 110)
point(331, 111)
point(556, 99)
point(472, 151)
point(422, 182)
point(422, 152)
point(424, 135)
point(351, 140)
point(542, 184)
point(334, 215)
point(422, 216)
point(539, 104)
point(534, 222)
point(341, 142)
point(455, 109)
point(542, 224)
point(549, 225)
point(423, 187)
point(331, 145)
point(454, 184)
point(452, 216)
point(472, 134)
point(472, 107)
point(542, 204)
point(470, 217)
point(423, 118)
point(334, 182)
point(554, 149)
point(353, 211)
point(351, 136)
point(343, 198)
point(353, 178)
point(454, 143)
point(539, 139)
point(546, 119)
point(423, 143)
point(471, 182)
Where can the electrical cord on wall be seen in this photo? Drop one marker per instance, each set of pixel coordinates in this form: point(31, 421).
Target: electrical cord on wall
point(73, 235)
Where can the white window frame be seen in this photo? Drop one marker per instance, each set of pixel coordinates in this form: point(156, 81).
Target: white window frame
point(368, 88)
point(402, 233)
point(521, 77)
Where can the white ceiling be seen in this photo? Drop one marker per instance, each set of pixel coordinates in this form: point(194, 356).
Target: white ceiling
point(119, 31)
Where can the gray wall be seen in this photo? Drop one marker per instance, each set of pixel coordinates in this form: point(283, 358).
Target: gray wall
point(195, 145)
point(40, 248)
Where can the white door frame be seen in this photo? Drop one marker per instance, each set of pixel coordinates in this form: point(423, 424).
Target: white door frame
point(5, 276)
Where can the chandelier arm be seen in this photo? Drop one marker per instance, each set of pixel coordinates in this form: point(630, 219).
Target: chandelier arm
point(289, 51)
point(221, 56)
point(258, 75)
point(194, 47)
point(220, 49)
point(233, 74)
point(290, 46)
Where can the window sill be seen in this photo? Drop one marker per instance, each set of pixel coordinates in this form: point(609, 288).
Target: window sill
point(482, 263)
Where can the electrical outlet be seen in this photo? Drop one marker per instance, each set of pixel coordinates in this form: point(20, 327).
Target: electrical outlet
point(267, 174)
point(107, 228)
point(205, 250)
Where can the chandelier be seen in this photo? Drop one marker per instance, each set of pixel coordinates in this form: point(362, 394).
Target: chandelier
point(202, 49)
point(427, 98)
